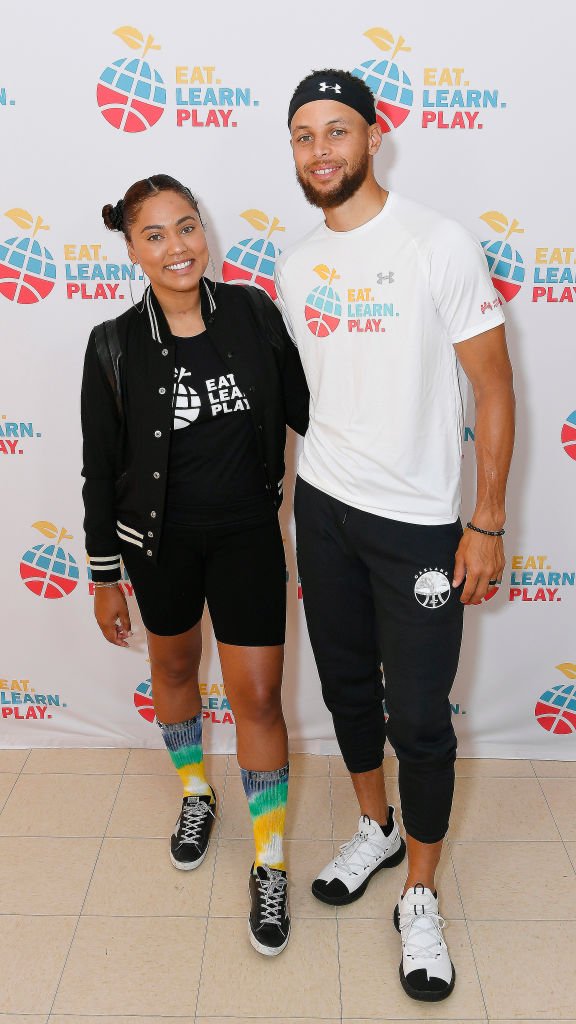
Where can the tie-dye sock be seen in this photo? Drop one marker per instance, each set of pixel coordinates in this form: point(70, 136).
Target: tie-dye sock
point(267, 793)
point(184, 744)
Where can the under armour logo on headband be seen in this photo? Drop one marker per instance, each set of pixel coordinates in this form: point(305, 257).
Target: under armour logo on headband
point(324, 86)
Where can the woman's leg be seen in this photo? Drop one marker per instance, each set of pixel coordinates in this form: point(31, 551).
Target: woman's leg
point(175, 661)
point(253, 678)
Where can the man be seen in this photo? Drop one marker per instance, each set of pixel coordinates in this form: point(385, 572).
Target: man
point(387, 301)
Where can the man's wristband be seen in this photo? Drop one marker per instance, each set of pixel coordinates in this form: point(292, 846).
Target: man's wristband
point(487, 533)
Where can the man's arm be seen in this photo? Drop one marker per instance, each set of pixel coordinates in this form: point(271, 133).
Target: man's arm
point(485, 362)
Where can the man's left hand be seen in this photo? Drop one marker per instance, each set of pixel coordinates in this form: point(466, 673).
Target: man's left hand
point(480, 561)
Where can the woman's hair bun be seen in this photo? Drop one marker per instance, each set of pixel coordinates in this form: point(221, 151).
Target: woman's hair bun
point(113, 216)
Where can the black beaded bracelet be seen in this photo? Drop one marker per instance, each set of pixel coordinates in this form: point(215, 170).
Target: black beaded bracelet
point(487, 533)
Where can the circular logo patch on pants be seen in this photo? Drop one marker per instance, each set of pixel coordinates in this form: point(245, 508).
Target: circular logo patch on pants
point(432, 588)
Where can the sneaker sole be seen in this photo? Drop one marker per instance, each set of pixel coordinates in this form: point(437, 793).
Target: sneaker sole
point(415, 993)
point(187, 865)
point(342, 901)
point(267, 950)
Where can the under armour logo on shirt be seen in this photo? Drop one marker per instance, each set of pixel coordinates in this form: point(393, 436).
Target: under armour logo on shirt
point(386, 277)
point(324, 86)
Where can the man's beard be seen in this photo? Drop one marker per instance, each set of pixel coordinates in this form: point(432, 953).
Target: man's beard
point(347, 187)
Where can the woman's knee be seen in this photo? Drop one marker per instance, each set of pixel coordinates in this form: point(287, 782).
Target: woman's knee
point(262, 705)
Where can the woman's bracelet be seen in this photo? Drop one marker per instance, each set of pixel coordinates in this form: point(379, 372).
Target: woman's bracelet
point(487, 533)
point(115, 584)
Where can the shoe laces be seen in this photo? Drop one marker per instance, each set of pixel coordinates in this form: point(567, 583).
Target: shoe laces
point(357, 853)
point(192, 820)
point(272, 890)
point(422, 935)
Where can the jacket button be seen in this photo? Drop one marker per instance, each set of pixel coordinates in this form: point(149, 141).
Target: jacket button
point(260, 426)
point(150, 534)
point(157, 433)
point(152, 515)
point(229, 355)
point(149, 553)
point(161, 391)
point(268, 487)
point(156, 476)
point(251, 387)
point(164, 351)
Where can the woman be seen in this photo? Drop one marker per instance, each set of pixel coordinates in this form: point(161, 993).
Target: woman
point(183, 466)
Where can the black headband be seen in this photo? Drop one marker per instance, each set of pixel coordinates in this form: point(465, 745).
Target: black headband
point(332, 86)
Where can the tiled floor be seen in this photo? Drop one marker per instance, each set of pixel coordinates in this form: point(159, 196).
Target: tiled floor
point(96, 927)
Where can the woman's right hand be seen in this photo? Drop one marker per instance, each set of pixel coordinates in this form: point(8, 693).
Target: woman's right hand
point(112, 615)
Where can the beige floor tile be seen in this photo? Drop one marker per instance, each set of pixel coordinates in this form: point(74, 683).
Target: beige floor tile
point(81, 761)
point(338, 769)
point(493, 768)
point(148, 806)
point(59, 805)
point(369, 956)
point(12, 761)
point(7, 783)
point(41, 943)
point(145, 965)
point(500, 809)
point(135, 878)
point(56, 874)
point(527, 970)
point(515, 881)
point(259, 1020)
point(345, 807)
point(382, 893)
point(302, 981)
point(300, 764)
point(571, 848)
point(561, 797)
point(18, 1018)
point(235, 857)
point(308, 814)
point(157, 762)
point(80, 1018)
point(555, 769)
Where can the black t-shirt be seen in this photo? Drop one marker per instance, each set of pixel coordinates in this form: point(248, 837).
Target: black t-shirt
point(215, 475)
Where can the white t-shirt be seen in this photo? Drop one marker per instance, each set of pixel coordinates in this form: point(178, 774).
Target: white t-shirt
point(375, 313)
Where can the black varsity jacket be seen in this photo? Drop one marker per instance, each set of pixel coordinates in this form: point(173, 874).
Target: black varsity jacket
point(125, 455)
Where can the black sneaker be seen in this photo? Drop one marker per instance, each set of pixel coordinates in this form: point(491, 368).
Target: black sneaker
point(191, 835)
point(269, 921)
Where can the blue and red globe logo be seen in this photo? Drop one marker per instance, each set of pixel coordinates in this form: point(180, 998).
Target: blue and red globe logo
point(27, 269)
point(323, 308)
point(130, 93)
point(392, 89)
point(143, 700)
point(252, 260)
point(568, 435)
point(47, 569)
point(556, 709)
point(505, 263)
point(506, 268)
point(391, 86)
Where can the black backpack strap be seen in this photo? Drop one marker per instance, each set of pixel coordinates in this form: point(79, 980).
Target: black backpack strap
point(109, 353)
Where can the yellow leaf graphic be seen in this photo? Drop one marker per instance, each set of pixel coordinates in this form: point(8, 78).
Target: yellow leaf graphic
point(131, 36)
point(323, 271)
point(48, 529)
point(20, 217)
point(497, 221)
point(568, 669)
point(381, 37)
point(257, 218)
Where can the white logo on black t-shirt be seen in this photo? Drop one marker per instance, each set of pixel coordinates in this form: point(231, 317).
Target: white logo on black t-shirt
point(187, 402)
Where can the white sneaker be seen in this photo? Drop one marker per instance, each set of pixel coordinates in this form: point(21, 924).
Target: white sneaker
point(346, 877)
point(426, 971)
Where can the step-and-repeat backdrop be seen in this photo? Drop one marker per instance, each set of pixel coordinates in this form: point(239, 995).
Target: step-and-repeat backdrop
point(476, 106)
